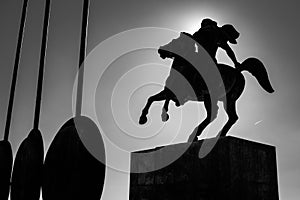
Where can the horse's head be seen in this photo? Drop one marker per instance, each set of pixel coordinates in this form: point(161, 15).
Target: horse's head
point(179, 46)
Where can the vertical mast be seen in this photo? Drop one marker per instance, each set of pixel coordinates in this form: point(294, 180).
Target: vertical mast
point(41, 68)
point(15, 71)
point(85, 12)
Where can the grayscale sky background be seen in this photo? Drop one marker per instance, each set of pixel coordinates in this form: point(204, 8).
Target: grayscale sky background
point(269, 31)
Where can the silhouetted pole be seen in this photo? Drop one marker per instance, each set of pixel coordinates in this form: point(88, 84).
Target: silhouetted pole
point(27, 171)
point(15, 71)
point(70, 170)
point(85, 13)
point(6, 156)
point(41, 69)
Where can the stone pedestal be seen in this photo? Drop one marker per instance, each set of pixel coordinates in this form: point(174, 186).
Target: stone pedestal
point(235, 169)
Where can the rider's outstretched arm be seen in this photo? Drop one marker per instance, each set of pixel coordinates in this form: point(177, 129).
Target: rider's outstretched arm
point(230, 53)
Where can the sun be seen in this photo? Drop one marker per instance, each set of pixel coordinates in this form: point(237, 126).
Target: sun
point(191, 17)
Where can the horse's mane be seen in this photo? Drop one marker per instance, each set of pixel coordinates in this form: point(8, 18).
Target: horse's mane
point(191, 38)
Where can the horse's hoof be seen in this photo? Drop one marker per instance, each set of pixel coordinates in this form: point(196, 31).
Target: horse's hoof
point(142, 120)
point(165, 117)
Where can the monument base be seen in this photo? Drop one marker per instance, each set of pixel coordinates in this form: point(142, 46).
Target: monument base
point(235, 169)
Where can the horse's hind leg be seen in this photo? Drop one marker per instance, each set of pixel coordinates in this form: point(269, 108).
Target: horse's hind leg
point(157, 97)
point(230, 108)
point(211, 107)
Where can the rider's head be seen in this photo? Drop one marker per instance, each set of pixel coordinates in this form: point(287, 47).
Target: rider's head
point(208, 22)
point(231, 33)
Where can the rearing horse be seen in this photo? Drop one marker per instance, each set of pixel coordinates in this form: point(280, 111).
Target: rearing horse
point(192, 79)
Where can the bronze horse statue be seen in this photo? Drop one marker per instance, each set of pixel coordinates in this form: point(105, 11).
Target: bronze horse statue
point(192, 79)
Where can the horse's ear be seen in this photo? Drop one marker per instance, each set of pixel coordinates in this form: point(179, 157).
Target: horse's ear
point(185, 34)
point(182, 35)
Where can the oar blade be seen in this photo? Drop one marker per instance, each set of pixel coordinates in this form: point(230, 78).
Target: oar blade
point(27, 170)
point(70, 170)
point(6, 159)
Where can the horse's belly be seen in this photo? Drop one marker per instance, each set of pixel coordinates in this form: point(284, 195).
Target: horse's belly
point(191, 86)
point(180, 86)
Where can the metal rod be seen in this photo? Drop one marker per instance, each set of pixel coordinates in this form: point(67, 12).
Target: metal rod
point(41, 68)
point(82, 53)
point(15, 70)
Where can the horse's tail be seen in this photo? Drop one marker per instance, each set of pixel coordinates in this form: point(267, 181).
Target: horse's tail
point(258, 70)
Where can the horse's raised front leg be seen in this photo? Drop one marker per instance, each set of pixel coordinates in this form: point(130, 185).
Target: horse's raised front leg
point(211, 107)
point(157, 97)
point(169, 96)
point(164, 114)
point(230, 109)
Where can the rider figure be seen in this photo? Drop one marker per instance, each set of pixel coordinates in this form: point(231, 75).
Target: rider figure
point(210, 36)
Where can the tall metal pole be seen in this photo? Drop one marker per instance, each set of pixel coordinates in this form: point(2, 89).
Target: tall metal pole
point(41, 68)
point(85, 12)
point(6, 155)
point(15, 71)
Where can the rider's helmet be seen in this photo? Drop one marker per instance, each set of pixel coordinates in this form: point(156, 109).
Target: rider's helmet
point(208, 22)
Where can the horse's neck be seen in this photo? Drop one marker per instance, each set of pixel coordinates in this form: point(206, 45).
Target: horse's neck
point(187, 51)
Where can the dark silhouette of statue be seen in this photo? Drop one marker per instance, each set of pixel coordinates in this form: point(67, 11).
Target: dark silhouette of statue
point(192, 76)
point(211, 37)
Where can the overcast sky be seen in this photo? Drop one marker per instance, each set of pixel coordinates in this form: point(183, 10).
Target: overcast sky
point(269, 31)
